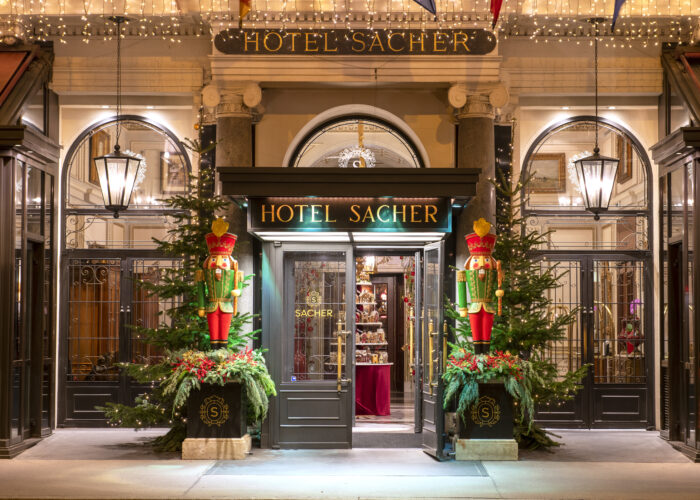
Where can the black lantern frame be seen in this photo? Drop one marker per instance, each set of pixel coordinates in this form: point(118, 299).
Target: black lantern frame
point(596, 174)
point(117, 171)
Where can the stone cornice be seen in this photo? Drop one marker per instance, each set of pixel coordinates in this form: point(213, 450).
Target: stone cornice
point(356, 69)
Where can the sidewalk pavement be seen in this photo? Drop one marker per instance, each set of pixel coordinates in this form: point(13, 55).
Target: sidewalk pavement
point(118, 464)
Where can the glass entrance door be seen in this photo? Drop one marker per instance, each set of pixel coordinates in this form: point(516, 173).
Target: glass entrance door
point(432, 343)
point(609, 334)
point(314, 328)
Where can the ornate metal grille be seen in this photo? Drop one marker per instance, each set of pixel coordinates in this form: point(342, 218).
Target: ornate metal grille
point(565, 353)
point(94, 319)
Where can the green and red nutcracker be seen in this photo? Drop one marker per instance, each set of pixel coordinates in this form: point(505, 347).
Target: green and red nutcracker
point(482, 277)
point(219, 284)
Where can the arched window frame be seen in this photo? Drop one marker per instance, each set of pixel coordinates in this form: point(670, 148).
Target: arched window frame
point(641, 151)
point(72, 150)
point(308, 137)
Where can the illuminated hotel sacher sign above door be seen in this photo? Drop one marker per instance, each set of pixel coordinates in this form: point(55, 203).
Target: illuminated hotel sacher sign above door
point(345, 42)
point(349, 214)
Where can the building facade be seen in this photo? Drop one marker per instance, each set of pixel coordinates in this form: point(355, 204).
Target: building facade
point(296, 109)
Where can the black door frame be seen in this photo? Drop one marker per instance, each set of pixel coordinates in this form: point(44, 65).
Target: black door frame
point(123, 389)
point(583, 406)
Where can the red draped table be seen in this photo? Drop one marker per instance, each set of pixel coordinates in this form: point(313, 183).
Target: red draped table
point(373, 389)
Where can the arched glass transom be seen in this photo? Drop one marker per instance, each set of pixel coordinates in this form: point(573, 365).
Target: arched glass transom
point(164, 172)
point(550, 163)
point(357, 142)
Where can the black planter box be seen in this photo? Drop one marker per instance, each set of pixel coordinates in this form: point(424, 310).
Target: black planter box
point(491, 416)
point(216, 411)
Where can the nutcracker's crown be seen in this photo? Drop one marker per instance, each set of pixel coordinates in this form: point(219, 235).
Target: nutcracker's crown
point(221, 245)
point(481, 245)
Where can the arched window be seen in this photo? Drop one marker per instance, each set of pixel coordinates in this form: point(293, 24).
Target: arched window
point(603, 267)
point(553, 189)
point(165, 170)
point(104, 261)
point(356, 142)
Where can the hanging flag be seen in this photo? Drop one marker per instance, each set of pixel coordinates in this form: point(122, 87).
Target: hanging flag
point(243, 9)
point(428, 5)
point(496, 11)
point(616, 12)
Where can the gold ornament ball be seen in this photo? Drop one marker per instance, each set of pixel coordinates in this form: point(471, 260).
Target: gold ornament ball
point(499, 293)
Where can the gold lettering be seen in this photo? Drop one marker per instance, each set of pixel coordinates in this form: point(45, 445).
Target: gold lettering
point(294, 36)
point(376, 41)
point(314, 213)
point(291, 213)
point(485, 413)
point(325, 44)
point(248, 40)
point(430, 211)
point(379, 213)
point(271, 213)
point(356, 214)
point(389, 42)
point(368, 215)
point(354, 39)
point(463, 42)
point(301, 212)
point(213, 411)
point(437, 39)
point(328, 219)
point(411, 42)
point(267, 35)
point(308, 42)
point(414, 213)
point(403, 213)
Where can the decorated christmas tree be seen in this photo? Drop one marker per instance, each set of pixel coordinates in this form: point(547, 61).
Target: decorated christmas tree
point(525, 329)
point(182, 336)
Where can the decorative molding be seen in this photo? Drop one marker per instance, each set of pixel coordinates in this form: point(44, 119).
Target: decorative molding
point(80, 75)
point(232, 105)
point(477, 106)
point(356, 69)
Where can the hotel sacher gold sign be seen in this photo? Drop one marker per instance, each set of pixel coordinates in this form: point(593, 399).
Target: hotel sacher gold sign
point(347, 214)
point(345, 42)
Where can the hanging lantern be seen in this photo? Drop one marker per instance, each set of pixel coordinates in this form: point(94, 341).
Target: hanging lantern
point(117, 171)
point(596, 177)
point(596, 173)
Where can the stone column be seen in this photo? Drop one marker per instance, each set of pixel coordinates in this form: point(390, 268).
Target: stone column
point(234, 131)
point(234, 148)
point(475, 149)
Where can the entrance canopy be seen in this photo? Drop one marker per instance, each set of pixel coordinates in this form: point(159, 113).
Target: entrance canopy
point(361, 206)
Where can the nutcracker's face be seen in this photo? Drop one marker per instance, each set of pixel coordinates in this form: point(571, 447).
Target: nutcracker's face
point(222, 262)
point(480, 262)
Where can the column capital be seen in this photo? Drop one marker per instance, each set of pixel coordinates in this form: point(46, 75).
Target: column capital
point(477, 103)
point(239, 100)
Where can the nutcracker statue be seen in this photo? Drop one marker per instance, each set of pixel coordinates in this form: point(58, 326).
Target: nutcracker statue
point(482, 276)
point(218, 284)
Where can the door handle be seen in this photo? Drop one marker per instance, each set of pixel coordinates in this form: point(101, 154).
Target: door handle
point(431, 358)
point(342, 335)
